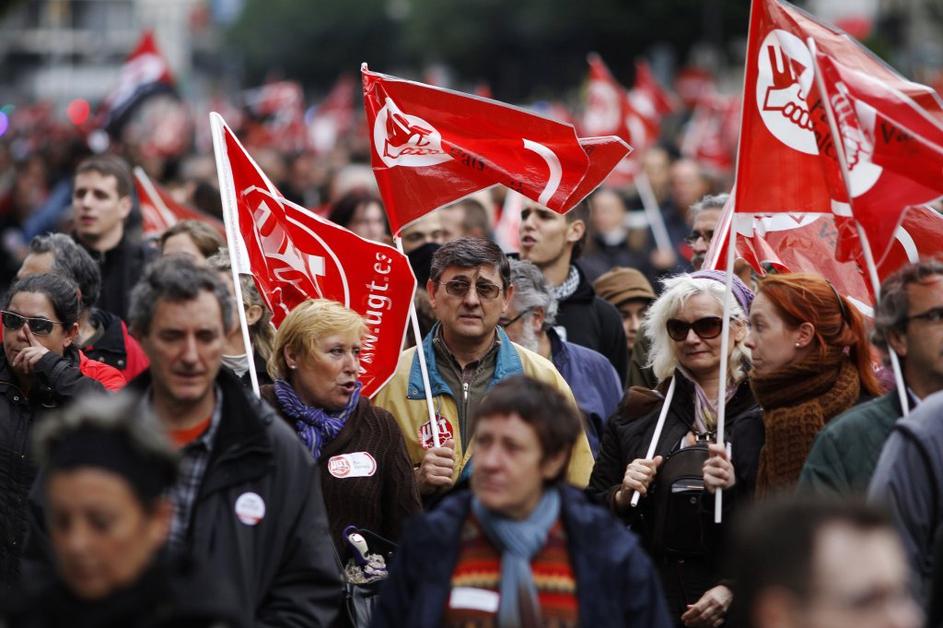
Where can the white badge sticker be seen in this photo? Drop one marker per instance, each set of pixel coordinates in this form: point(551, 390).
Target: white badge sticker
point(475, 599)
point(359, 464)
point(250, 508)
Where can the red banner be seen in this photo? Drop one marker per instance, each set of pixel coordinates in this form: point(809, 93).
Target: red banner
point(145, 72)
point(432, 146)
point(294, 255)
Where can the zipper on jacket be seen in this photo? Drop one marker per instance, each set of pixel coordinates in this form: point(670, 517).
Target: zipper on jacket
point(465, 391)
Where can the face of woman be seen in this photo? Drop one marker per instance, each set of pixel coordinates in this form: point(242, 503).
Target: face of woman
point(771, 341)
point(102, 535)
point(35, 305)
point(701, 356)
point(368, 222)
point(181, 244)
point(326, 376)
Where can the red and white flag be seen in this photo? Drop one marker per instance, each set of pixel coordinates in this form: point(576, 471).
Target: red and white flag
point(432, 146)
point(784, 132)
point(277, 112)
point(295, 255)
point(611, 111)
point(144, 73)
point(710, 136)
point(159, 210)
point(334, 116)
point(648, 96)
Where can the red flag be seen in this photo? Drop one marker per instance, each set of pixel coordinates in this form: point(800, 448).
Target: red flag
point(432, 146)
point(784, 128)
point(144, 73)
point(278, 110)
point(611, 111)
point(159, 210)
point(710, 136)
point(294, 255)
point(334, 117)
point(648, 95)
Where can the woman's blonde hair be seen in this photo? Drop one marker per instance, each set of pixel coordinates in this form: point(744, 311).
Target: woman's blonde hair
point(306, 325)
point(663, 357)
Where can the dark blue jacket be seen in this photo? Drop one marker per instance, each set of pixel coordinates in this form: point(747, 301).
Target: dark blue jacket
point(593, 380)
point(616, 583)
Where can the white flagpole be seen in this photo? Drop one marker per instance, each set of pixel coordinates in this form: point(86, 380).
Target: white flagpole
point(862, 236)
point(659, 426)
point(653, 212)
point(227, 194)
point(417, 334)
point(145, 181)
point(724, 359)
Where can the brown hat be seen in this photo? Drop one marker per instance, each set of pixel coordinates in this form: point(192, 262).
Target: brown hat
point(622, 284)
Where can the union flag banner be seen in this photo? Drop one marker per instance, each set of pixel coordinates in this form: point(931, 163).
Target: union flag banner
point(144, 73)
point(782, 163)
point(432, 146)
point(159, 210)
point(294, 255)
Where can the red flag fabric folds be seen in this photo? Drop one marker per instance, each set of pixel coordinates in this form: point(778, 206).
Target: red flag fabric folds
point(294, 255)
point(159, 210)
point(432, 146)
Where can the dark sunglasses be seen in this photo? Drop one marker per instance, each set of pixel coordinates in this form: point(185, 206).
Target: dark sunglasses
point(706, 328)
point(504, 322)
point(460, 287)
point(694, 236)
point(39, 326)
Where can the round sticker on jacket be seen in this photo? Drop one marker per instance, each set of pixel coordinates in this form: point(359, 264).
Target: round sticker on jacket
point(250, 508)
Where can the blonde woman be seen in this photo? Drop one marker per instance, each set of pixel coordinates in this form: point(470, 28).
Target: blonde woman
point(674, 515)
point(366, 476)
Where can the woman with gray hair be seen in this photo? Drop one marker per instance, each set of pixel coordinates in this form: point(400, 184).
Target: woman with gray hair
point(676, 483)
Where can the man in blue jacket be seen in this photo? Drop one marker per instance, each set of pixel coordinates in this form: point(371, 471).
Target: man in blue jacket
point(521, 548)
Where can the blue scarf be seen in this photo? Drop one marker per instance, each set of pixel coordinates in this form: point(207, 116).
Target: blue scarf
point(314, 426)
point(519, 542)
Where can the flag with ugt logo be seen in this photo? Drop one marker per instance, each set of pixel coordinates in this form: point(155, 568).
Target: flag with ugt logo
point(294, 255)
point(786, 155)
point(432, 146)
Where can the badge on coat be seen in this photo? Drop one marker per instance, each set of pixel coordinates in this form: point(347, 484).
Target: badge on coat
point(250, 508)
point(425, 432)
point(474, 599)
point(359, 464)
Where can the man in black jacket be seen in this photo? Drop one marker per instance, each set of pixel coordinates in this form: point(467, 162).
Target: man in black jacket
point(552, 243)
point(248, 500)
point(101, 200)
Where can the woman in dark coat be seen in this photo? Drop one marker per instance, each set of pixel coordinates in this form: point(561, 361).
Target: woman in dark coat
point(674, 515)
point(366, 475)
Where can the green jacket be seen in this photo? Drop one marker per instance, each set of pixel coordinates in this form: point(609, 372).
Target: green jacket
point(846, 451)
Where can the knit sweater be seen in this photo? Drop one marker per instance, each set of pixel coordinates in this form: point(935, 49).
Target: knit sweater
point(380, 502)
point(479, 567)
point(797, 403)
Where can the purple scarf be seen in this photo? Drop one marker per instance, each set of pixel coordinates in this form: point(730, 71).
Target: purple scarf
point(315, 426)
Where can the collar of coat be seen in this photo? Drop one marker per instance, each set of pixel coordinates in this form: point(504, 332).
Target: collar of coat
point(508, 364)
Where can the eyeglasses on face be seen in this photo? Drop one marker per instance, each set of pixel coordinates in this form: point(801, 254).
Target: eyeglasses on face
point(706, 328)
point(694, 236)
point(39, 326)
point(504, 322)
point(460, 287)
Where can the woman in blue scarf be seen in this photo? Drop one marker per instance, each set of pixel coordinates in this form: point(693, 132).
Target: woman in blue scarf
point(366, 476)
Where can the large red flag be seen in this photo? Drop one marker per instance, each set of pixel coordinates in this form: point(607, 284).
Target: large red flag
point(294, 255)
point(432, 146)
point(159, 210)
point(784, 128)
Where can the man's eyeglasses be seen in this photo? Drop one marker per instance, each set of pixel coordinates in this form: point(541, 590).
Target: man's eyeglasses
point(460, 287)
point(504, 322)
point(706, 328)
point(933, 315)
point(39, 326)
point(694, 236)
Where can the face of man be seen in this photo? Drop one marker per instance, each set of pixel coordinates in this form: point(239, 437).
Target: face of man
point(453, 222)
point(921, 346)
point(510, 471)
point(546, 237)
point(607, 212)
point(523, 326)
point(185, 347)
point(859, 580)
point(99, 209)
point(702, 231)
point(457, 300)
point(633, 312)
point(422, 231)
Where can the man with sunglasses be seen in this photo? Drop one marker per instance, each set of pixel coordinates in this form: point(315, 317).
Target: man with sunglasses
point(909, 319)
point(39, 370)
point(466, 353)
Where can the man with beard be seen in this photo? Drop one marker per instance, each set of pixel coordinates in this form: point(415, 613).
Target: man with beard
point(529, 323)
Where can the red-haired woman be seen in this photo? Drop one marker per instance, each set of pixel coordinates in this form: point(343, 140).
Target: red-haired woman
point(810, 363)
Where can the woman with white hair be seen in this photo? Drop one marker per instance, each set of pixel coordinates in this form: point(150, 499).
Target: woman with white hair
point(676, 484)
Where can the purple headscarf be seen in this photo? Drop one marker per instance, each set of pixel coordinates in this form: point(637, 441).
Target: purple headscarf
point(741, 293)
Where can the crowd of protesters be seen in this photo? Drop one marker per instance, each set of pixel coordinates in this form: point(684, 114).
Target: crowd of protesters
point(575, 389)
